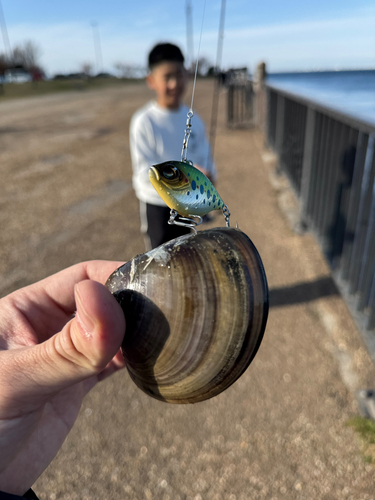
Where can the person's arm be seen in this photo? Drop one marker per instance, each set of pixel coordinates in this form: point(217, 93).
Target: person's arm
point(58, 338)
point(142, 147)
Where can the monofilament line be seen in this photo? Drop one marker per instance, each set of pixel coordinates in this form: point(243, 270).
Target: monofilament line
point(190, 112)
point(199, 50)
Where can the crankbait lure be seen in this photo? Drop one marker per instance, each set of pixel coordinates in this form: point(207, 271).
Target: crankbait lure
point(184, 188)
point(187, 192)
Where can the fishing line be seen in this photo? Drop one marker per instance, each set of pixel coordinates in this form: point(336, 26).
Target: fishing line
point(217, 84)
point(191, 221)
point(199, 49)
point(191, 112)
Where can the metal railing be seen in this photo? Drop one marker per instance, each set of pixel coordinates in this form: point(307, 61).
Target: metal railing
point(240, 110)
point(330, 161)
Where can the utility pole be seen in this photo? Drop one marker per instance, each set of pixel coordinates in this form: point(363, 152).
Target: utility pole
point(215, 99)
point(7, 48)
point(219, 52)
point(189, 35)
point(97, 47)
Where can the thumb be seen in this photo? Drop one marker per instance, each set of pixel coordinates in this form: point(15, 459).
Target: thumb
point(83, 348)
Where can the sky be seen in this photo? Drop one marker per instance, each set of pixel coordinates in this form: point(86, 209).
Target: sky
point(289, 35)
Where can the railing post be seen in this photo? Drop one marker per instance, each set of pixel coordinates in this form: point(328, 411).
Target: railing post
point(362, 220)
point(268, 117)
point(371, 320)
point(279, 136)
point(259, 98)
point(307, 163)
point(240, 104)
point(354, 202)
point(230, 105)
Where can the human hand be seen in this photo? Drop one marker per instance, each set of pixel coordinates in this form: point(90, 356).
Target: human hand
point(49, 361)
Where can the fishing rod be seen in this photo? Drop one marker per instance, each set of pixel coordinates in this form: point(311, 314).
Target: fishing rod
point(191, 112)
point(4, 30)
point(215, 98)
point(189, 35)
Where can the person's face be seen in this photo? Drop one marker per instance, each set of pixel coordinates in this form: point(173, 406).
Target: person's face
point(168, 80)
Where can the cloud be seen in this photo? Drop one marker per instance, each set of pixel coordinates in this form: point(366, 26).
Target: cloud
point(348, 41)
point(304, 45)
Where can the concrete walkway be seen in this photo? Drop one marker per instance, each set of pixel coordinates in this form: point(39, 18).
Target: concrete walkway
point(280, 431)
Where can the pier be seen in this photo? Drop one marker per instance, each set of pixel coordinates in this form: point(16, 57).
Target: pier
point(282, 430)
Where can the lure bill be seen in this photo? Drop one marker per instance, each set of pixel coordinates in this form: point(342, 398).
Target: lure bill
point(185, 189)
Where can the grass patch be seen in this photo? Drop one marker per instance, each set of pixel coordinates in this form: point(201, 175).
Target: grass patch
point(366, 430)
point(364, 427)
point(18, 90)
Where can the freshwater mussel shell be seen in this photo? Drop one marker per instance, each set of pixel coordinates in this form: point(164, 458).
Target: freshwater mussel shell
point(196, 309)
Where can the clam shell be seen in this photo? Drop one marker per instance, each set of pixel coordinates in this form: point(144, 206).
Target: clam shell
point(196, 309)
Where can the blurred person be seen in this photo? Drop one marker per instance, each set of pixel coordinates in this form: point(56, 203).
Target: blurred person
point(58, 338)
point(156, 135)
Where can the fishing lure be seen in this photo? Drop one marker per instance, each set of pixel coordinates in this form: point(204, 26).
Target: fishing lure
point(186, 190)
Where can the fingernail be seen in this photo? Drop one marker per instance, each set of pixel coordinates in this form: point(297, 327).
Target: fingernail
point(85, 322)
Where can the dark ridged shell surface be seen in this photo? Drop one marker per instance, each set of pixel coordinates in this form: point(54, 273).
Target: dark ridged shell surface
point(196, 309)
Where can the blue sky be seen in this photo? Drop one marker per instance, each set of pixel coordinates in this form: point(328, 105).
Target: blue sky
point(287, 34)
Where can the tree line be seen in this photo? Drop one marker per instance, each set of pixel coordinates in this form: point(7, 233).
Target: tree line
point(26, 56)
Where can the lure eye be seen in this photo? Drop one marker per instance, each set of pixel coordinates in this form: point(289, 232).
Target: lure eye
point(170, 172)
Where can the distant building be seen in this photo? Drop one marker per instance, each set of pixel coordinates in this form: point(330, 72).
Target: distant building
point(17, 75)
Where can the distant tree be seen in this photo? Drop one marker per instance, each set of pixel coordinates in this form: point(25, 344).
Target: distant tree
point(3, 67)
point(27, 55)
point(86, 69)
point(4, 64)
point(203, 66)
point(127, 70)
point(104, 74)
point(211, 71)
point(124, 70)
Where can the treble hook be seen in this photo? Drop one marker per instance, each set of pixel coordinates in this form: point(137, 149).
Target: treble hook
point(184, 221)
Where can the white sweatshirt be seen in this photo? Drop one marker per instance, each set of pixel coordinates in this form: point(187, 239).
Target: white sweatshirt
point(156, 135)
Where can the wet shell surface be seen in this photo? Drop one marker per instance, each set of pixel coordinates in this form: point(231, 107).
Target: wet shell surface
point(196, 309)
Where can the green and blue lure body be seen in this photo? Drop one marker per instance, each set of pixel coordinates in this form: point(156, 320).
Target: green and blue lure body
point(185, 189)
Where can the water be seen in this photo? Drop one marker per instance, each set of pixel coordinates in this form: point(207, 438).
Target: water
point(351, 92)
